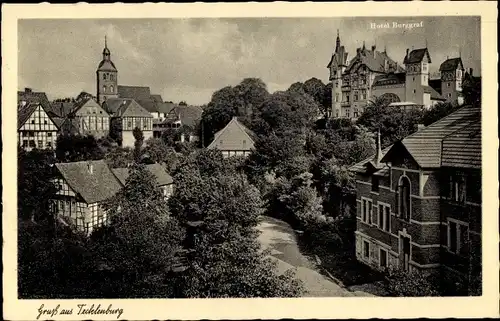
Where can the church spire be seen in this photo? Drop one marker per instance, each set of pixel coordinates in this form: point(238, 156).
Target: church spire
point(337, 47)
point(106, 54)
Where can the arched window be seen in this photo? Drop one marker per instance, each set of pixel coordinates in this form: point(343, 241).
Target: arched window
point(104, 76)
point(104, 88)
point(111, 89)
point(390, 98)
point(404, 199)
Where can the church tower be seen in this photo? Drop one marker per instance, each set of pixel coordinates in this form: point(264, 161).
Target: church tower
point(107, 77)
point(337, 66)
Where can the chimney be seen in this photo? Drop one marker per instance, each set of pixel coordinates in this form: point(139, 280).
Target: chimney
point(28, 90)
point(90, 166)
point(374, 52)
point(407, 52)
point(420, 127)
point(358, 50)
point(378, 155)
point(470, 71)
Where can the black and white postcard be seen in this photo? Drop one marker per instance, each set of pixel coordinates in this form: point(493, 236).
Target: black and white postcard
point(246, 161)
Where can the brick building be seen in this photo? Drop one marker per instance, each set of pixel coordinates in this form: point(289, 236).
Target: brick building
point(419, 200)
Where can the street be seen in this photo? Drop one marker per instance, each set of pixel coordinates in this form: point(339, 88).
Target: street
point(280, 239)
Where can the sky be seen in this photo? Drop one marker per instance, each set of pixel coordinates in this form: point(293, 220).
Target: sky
point(189, 59)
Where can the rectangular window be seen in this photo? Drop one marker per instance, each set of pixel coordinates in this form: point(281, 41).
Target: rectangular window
point(375, 184)
point(364, 210)
point(381, 216)
point(458, 237)
point(387, 220)
point(49, 134)
point(457, 188)
point(383, 258)
point(452, 237)
point(366, 249)
point(370, 212)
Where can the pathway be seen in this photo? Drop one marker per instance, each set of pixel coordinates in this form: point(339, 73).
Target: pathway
point(280, 239)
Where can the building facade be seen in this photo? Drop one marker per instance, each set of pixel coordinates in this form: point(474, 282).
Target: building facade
point(371, 73)
point(126, 115)
point(35, 128)
point(233, 140)
point(82, 187)
point(91, 118)
point(419, 201)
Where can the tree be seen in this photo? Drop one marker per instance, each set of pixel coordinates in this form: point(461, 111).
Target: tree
point(229, 102)
point(35, 187)
point(74, 148)
point(225, 259)
point(316, 89)
point(139, 141)
point(156, 151)
point(284, 111)
point(394, 123)
point(119, 157)
point(272, 152)
point(142, 241)
point(438, 111)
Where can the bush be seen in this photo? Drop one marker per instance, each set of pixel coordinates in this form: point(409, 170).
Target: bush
point(410, 284)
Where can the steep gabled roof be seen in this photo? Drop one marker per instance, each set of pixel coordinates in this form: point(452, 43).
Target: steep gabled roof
point(439, 143)
point(425, 145)
point(106, 65)
point(463, 148)
point(231, 137)
point(95, 186)
point(37, 97)
point(62, 108)
point(134, 92)
point(451, 64)
point(416, 56)
point(24, 112)
point(84, 102)
point(162, 177)
point(374, 61)
point(125, 107)
point(157, 98)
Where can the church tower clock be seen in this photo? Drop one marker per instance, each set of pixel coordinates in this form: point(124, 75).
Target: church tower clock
point(107, 77)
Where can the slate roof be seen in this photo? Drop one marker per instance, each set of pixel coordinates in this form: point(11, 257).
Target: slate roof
point(189, 115)
point(24, 112)
point(443, 143)
point(36, 97)
point(463, 148)
point(232, 136)
point(434, 94)
point(166, 107)
point(106, 65)
point(416, 56)
point(162, 177)
point(125, 107)
point(389, 79)
point(62, 109)
point(373, 62)
point(451, 64)
point(157, 98)
point(93, 187)
point(67, 125)
point(134, 92)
